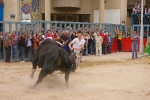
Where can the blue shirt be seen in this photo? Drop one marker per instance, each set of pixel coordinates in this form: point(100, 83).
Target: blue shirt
point(29, 43)
point(136, 38)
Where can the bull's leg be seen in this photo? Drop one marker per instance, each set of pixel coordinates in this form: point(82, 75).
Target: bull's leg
point(34, 63)
point(32, 73)
point(42, 74)
point(67, 78)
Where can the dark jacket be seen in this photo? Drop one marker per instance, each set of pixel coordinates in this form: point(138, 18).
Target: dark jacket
point(22, 42)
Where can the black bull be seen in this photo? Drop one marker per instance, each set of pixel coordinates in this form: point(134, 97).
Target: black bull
point(50, 57)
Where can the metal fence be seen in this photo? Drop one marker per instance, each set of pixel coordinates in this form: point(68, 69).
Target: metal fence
point(8, 26)
point(136, 19)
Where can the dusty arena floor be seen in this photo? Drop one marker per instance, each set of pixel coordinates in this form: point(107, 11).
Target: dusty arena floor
point(110, 77)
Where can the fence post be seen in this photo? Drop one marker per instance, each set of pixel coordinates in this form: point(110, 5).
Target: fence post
point(4, 52)
point(60, 28)
point(10, 28)
point(34, 29)
point(40, 26)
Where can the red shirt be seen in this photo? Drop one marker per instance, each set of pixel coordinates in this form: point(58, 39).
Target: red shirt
point(50, 35)
point(104, 38)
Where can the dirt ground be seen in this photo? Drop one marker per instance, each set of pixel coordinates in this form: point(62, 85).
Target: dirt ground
point(110, 77)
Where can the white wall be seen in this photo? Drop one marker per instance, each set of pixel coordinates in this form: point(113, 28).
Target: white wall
point(110, 16)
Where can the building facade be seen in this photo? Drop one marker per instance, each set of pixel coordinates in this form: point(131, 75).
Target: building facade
point(64, 10)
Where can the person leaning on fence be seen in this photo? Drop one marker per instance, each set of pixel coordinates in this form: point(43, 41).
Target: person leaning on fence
point(103, 35)
point(64, 39)
point(35, 43)
point(76, 45)
point(14, 45)
point(99, 41)
point(134, 38)
point(30, 46)
point(1, 45)
point(8, 48)
point(110, 41)
point(22, 44)
point(119, 34)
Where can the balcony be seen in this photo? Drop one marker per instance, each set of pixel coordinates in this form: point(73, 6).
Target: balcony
point(136, 19)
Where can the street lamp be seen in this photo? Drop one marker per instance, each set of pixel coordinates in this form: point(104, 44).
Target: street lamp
point(141, 51)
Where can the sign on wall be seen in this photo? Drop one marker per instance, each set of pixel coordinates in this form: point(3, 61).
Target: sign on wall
point(96, 16)
point(12, 16)
point(111, 16)
point(29, 10)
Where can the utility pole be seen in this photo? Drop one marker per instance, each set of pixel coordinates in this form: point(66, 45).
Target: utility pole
point(141, 51)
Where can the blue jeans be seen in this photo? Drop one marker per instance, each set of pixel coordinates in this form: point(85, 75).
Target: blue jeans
point(134, 48)
point(14, 51)
point(86, 52)
point(65, 47)
point(22, 51)
point(93, 48)
point(31, 52)
point(1, 54)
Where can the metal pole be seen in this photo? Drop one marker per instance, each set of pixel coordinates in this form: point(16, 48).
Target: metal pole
point(141, 33)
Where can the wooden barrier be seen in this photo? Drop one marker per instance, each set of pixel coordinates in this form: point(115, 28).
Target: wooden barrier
point(126, 44)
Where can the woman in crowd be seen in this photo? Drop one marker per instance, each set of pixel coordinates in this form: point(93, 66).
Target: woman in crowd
point(22, 45)
point(64, 39)
point(8, 47)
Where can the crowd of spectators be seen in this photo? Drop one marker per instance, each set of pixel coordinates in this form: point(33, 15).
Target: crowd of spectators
point(137, 9)
point(23, 45)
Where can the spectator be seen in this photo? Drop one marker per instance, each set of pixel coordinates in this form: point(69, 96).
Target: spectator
point(73, 35)
point(123, 22)
point(119, 34)
point(35, 43)
point(86, 37)
point(103, 35)
point(14, 45)
point(145, 10)
point(93, 43)
point(110, 41)
point(1, 46)
point(64, 39)
point(99, 41)
point(40, 38)
point(22, 45)
point(89, 43)
point(134, 10)
point(30, 46)
point(145, 34)
point(50, 35)
point(8, 48)
point(57, 36)
point(134, 38)
point(128, 34)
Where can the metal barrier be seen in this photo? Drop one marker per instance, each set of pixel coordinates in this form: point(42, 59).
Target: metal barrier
point(146, 30)
point(136, 19)
point(9, 26)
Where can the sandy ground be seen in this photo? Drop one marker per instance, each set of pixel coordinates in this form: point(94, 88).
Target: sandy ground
point(110, 77)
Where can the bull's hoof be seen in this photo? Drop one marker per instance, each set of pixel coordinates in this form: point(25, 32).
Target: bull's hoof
point(67, 85)
point(31, 77)
point(33, 87)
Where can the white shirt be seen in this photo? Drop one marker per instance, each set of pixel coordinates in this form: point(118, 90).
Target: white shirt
point(77, 44)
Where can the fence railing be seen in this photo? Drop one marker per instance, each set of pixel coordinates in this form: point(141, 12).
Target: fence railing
point(136, 19)
point(8, 26)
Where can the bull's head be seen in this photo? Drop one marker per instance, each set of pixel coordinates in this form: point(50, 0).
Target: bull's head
point(73, 59)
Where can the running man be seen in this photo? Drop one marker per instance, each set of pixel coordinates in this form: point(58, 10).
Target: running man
point(77, 45)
